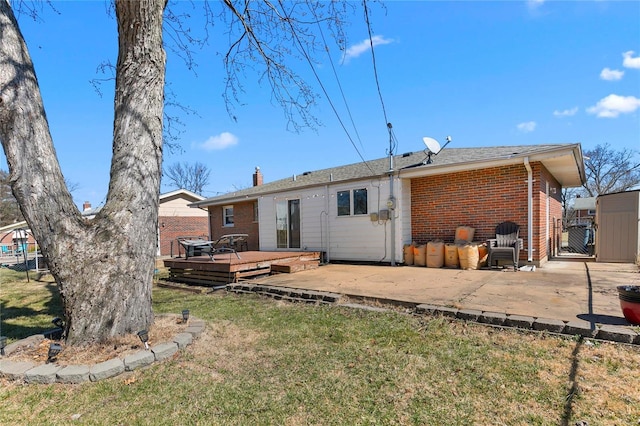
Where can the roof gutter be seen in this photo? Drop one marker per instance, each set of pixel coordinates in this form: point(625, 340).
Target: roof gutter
point(529, 210)
point(577, 155)
point(507, 160)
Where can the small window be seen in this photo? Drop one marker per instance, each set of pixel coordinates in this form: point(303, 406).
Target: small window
point(255, 211)
point(359, 206)
point(359, 201)
point(344, 203)
point(227, 216)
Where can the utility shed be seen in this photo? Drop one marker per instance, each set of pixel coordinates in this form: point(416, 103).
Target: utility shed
point(618, 220)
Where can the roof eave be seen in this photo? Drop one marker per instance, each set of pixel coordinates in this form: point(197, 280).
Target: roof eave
point(567, 157)
point(181, 192)
point(253, 197)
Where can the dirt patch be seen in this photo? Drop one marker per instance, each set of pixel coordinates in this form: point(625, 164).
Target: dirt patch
point(164, 329)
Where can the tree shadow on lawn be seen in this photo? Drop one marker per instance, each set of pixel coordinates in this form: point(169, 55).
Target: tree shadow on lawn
point(12, 322)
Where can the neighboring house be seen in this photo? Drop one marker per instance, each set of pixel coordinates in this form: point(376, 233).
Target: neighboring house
point(365, 212)
point(584, 209)
point(88, 212)
point(15, 238)
point(175, 219)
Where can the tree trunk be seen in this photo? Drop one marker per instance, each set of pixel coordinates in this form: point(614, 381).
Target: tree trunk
point(104, 266)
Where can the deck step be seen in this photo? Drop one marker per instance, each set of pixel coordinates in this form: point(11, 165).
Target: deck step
point(294, 266)
point(205, 271)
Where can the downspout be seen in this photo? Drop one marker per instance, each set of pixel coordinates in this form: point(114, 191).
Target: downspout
point(529, 210)
point(326, 207)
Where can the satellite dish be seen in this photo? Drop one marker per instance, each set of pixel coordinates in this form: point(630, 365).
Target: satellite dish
point(433, 147)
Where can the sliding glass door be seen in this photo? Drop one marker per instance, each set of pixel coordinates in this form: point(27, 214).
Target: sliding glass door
point(288, 223)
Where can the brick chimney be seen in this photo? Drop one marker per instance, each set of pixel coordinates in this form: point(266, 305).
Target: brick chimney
point(257, 177)
point(86, 206)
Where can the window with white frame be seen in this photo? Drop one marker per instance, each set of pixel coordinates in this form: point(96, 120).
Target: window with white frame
point(227, 216)
point(351, 203)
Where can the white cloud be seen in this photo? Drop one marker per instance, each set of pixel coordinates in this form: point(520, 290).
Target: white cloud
point(629, 61)
point(614, 105)
point(611, 75)
point(534, 4)
point(358, 49)
point(527, 127)
point(566, 112)
point(221, 141)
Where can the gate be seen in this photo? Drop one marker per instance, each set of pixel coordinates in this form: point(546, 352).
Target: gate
point(574, 241)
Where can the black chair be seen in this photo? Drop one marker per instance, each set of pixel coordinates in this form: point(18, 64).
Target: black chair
point(506, 245)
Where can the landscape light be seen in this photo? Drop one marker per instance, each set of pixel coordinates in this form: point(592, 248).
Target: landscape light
point(58, 322)
point(185, 315)
point(144, 337)
point(3, 343)
point(54, 350)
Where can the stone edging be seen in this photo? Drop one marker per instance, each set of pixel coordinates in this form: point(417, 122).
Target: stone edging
point(29, 372)
point(586, 329)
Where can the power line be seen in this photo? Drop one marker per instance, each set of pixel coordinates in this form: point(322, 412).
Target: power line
point(344, 98)
point(375, 67)
point(324, 90)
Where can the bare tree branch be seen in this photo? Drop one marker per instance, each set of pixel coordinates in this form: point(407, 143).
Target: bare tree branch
point(193, 177)
point(266, 38)
point(608, 170)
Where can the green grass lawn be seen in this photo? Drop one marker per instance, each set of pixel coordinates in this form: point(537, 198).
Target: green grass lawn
point(265, 362)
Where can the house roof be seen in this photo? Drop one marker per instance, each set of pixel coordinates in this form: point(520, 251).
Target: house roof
point(184, 193)
point(564, 161)
point(90, 212)
point(584, 203)
point(167, 196)
point(14, 226)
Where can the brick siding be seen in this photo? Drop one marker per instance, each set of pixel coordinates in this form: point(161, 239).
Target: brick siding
point(243, 223)
point(482, 199)
point(172, 227)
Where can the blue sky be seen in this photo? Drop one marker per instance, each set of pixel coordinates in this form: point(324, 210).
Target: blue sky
point(486, 73)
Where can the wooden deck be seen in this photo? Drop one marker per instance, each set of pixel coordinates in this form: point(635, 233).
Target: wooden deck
point(226, 268)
